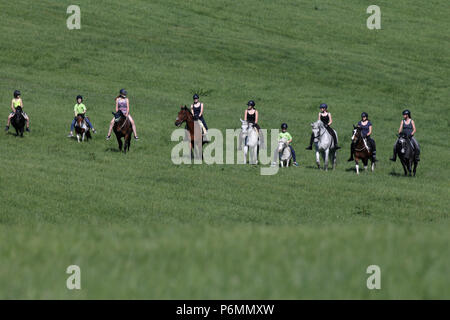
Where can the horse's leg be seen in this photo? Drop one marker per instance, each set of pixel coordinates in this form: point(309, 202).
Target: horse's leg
point(78, 138)
point(415, 166)
point(245, 154)
point(84, 134)
point(119, 140)
point(317, 158)
point(409, 167)
point(404, 166)
point(357, 165)
point(372, 164)
point(365, 161)
point(327, 154)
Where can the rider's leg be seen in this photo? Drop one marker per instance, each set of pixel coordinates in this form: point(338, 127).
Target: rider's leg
point(133, 126)
point(28, 120)
point(9, 119)
point(293, 154)
point(333, 134)
point(311, 141)
point(204, 123)
point(417, 147)
point(352, 150)
point(89, 123)
point(394, 157)
point(374, 148)
point(111, 125)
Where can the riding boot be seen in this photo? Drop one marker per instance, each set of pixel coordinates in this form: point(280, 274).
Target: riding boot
point(311, 141)
point(352, 150)
point(6, 128)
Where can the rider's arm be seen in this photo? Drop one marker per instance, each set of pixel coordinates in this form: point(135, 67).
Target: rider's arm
point(331, 119)
point(414, 128)
point(370, 131)
point(21, 103)
point(318, 118)
point(245, 115)
point(256, 116)
point(128, 108)
point(401, 127)
point(192, 109)
point(12, 106)
point(75, 110)
point(201, 109)
point(117, 104)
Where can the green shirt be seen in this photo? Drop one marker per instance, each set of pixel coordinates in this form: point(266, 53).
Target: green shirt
point(286, 135)
point(79, 108)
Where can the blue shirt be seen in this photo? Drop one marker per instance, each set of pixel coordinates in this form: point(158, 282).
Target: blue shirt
point(365, 128)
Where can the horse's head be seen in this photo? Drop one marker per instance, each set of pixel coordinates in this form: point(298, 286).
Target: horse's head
point(117, 115)
point(356, 133)
point(183, 115)
point(244, 126)
point(315, 126)
point(402, 143)
point(282, 143)
point(18, 110)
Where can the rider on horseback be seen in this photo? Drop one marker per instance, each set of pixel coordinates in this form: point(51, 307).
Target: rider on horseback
point(288, 137)
point(408, 128)
point(197, 111)
point(80, 109)
point(325, 117)
point(17, 102)
point(251, 115)
point(123, 105)
point(366, 131)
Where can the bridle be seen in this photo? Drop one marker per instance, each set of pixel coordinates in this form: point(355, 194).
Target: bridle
point(358, 138)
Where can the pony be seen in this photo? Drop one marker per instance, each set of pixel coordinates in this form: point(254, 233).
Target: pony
point(194, 131)
point(361, 150)
point(249, 139)
point(284, 153)
point(82, 129)
point(406, 153)
point(123, 129)
point(324, 145)
point(18, 121)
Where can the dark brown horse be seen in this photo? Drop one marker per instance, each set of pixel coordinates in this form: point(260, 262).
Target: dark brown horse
point(361, 150)
point(407, 154)
point(18, 121)
point(194, 131)
point(123, 129)
point(82, 129)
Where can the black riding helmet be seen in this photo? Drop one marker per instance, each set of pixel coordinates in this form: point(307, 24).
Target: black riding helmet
point(364, 114)
point(284, 126)
point(123, 92)
point(195, 97)
point(16, 93)
point(79, 97)
point(251, 103)
point(406, 112)
point(323, 105)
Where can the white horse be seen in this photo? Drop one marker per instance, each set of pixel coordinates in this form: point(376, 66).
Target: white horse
point(324, 144)
point(249, 140)
point(284, 153)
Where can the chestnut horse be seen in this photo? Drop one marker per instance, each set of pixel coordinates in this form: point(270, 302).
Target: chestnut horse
point(123, 129)
point(193, 128)
point(82, 129)
point(361, 151)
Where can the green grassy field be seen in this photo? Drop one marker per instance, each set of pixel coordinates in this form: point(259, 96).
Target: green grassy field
point(141, 227)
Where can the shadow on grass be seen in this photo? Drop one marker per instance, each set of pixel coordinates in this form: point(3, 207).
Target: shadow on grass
point(112, 150)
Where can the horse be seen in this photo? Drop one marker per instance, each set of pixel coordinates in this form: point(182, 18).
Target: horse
point(284, 153)
point(249, 139)
point(18, 121)
point(324, 145)
point(361, 150)
point(406, 153)
point(122, 128)
point(194, 129)
point(82, 129)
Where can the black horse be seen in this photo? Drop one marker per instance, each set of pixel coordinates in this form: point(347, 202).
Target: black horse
point(122, 128)
point(18, 121)
point(406, 153)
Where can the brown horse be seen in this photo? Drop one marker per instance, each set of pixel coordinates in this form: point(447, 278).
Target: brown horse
point(361, 150)
point(193, 128)
point(82, 129)
point(123, 129)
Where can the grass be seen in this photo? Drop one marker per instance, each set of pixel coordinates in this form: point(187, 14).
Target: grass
point(140, 227)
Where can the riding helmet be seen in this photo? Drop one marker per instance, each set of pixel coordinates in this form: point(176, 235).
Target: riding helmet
point(323, 105)
point(123, 92)
point(16, 93)
point(195, 96)
point(364, 114)
point(251, 103)
point(79, 97)
point(406, 112)
point(284, 126)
